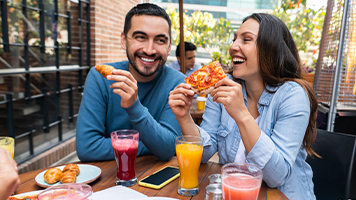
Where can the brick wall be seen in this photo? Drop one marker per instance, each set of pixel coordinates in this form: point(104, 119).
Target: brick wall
point(107, 23)
point(49, 157)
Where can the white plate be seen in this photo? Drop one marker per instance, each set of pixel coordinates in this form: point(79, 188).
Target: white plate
point(88, 174)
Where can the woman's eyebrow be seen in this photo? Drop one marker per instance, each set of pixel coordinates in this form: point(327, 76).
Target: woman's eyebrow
point(248, 32)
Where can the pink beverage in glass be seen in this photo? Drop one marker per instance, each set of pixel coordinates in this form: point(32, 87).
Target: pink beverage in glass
point(241, 181)
point(67, 191)
point(125, 145)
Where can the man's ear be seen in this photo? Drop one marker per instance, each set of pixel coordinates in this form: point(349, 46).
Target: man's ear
point(178, 59)
point(169, 48)
point(123, 41)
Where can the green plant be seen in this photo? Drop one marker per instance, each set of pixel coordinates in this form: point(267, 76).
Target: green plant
point(203, 30)
point(305, 25)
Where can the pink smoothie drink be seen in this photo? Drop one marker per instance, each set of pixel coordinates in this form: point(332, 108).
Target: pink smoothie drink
point(71, 197)
point(240, 186)
point(125, 151)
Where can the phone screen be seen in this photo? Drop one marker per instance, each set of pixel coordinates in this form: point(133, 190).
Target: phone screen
point(161, 176)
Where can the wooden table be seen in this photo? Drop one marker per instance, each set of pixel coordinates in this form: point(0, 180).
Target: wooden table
point(145, 166)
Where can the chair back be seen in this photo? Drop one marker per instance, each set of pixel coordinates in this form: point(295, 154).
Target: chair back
point(333, 174)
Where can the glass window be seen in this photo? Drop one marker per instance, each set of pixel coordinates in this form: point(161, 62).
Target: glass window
point(38, 101)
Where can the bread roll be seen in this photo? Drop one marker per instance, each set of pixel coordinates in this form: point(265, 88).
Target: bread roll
point(52, 175)
point(104, 70)
point(72, 168)
point(68, 177)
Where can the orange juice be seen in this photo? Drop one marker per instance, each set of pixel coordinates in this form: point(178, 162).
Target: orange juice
point(8, 143)
point(189, 159)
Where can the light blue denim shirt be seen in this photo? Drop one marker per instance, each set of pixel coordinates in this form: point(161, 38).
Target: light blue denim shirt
point(175, 65)
point(284, 117)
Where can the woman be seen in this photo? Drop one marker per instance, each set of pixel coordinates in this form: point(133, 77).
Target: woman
point(267, 116)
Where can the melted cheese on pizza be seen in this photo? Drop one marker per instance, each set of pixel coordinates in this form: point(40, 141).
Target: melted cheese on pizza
point(206, 77)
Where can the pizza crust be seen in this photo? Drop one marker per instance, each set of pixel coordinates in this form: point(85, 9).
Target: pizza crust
point(204, 91)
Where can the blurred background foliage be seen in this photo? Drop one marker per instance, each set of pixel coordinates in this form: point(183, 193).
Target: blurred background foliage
point(305, 25)
point(204, 31)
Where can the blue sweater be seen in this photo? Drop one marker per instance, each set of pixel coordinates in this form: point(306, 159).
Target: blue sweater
point(100, 114)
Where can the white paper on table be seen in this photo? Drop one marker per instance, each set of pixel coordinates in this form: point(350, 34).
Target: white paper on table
point(118, 192)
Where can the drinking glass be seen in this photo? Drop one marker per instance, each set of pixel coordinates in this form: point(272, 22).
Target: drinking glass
point(125, 145)
point(8, 143)
point(189, 150)
point(241, 181)
point(67, 191)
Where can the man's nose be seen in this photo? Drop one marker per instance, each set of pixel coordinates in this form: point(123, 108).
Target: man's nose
point(149, 48)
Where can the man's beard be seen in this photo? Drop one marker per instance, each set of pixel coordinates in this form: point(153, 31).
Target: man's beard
point(147, 72)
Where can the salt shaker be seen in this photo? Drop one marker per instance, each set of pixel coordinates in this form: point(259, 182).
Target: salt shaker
point(215, 179)
point(213, 192)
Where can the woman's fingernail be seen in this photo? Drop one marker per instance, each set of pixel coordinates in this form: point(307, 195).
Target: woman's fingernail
point(109, 76)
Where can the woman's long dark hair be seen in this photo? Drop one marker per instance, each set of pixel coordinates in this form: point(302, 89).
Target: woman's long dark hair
point(280, 62)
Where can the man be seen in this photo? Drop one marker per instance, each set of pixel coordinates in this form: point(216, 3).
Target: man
point(136, 95)
point(190, 64)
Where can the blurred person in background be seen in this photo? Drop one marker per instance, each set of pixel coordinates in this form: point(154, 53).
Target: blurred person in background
point(266, 116)
point(189, 59)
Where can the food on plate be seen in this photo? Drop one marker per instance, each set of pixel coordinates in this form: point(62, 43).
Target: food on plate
point(68, 177)
point(24, 197)
point(52, 175)
point(71, 167)
point(203, 80)
point(104, 70)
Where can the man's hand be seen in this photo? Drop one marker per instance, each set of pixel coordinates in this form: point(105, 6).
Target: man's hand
point(125, 86)
point(180, 100)
point(9, 178)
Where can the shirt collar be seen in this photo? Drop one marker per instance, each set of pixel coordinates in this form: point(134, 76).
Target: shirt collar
point(266, 96)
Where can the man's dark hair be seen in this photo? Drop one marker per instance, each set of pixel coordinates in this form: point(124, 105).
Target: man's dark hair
point(146, 9)
point(187, 47)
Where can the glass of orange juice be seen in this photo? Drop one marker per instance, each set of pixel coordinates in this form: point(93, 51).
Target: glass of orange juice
point(8, 143)
point(189, 150)
point(241, 181)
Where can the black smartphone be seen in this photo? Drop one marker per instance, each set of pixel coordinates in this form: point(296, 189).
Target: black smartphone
point(160, 178)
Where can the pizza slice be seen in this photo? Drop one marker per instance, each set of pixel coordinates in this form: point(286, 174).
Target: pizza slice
point(25, 197)
point(203, 80)
point(104, 70)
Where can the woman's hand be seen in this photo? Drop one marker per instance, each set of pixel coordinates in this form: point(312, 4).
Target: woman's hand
point(229, 93)
point(180, 100)
point(9, 178)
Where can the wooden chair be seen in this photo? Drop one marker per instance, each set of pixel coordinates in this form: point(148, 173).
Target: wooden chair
point(334, 174)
